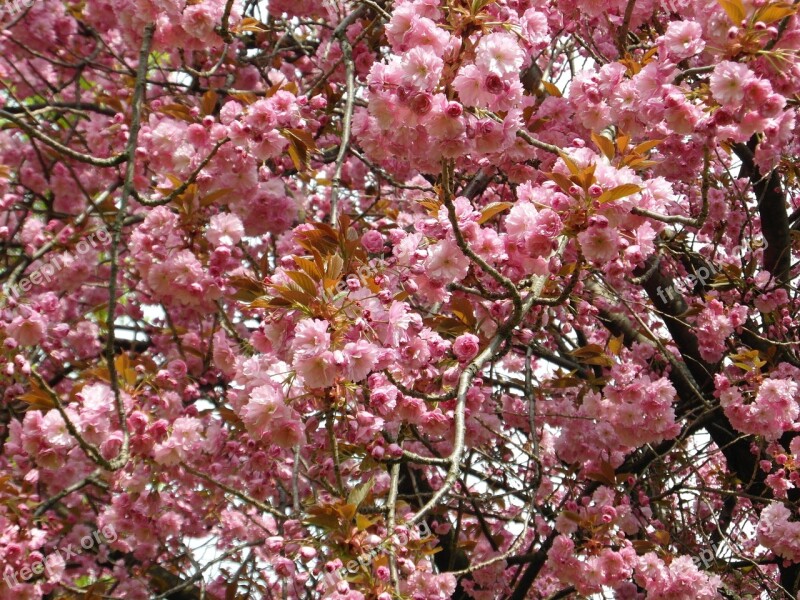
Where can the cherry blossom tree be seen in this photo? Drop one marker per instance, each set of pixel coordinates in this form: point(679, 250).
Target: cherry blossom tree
point(415, 299)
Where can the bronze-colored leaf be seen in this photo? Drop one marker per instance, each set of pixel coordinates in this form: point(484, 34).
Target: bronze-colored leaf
point(490, 210)
point(734, 9)
point(359, 493)
point(37, 398)
point(571, 164)
point(622, 142)
point(209, 199)
point(308, 266)
point(333, 267)
point(304, 281)
point(551, 89)
point(563, 182)
point(605, 145)
point(208, 103)
point(646, 146)
point(247, 289)
point(177, 111)
point(775, 12)
point(125, 369)
point(463, 310)
point(250, 24)
point(621, 191)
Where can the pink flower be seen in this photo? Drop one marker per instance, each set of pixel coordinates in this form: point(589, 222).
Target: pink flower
point(287, 433)
point(446, 262)
point(469, 83)
point(421, 104)
point(534, 28)
point(54, 431)
point(361, 358)
point(521, 220)
point(185, 432)
point(713, 326)
point(199, 21)
point(311, 337)
point(466, 347)
point(499, 53)
point(261, 116)
point(225, 230)
point(599, 244)
point(382, 398)
point(97, 402)
point(85, 339)
point(400, 25)
point(27, 330)
point(772, 412)
point(778, 533)
point(728, 83)
point(421, 68)
point(412, 28)
point(777, 406)
point(268, 145)
point(683, 39)
point(680, 579)
point(317, 370)
point(372, 241)
point(265, 406)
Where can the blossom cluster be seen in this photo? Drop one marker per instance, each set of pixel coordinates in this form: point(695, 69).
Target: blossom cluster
point(383, 268)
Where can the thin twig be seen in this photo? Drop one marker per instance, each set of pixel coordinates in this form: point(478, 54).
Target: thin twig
point(112, 161)
point(241, 495)
point(88, 480)
point(116, 237)
point(347, 122)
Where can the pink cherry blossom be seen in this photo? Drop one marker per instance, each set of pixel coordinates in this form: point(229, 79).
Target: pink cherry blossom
point(729, 81)
point(446, 262)
point(466, 346)
point(499, 53)
point(683, 39)
point(225, 230)
point(488, 299)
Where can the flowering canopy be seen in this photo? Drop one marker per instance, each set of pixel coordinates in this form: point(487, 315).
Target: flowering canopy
point(400, 299)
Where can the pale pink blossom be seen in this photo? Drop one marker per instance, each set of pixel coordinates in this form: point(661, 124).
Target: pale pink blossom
point(311, 337)
point(446, 262)
point(683, 39)
point(225, 229)
point(287, 433)
point(317, 370)
point(361, 358)
point(729, 81)
point(469, 83)
point(499, 53)
point(27, 330)
point(265, 406)
point(422, 69)
point(599, 244)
